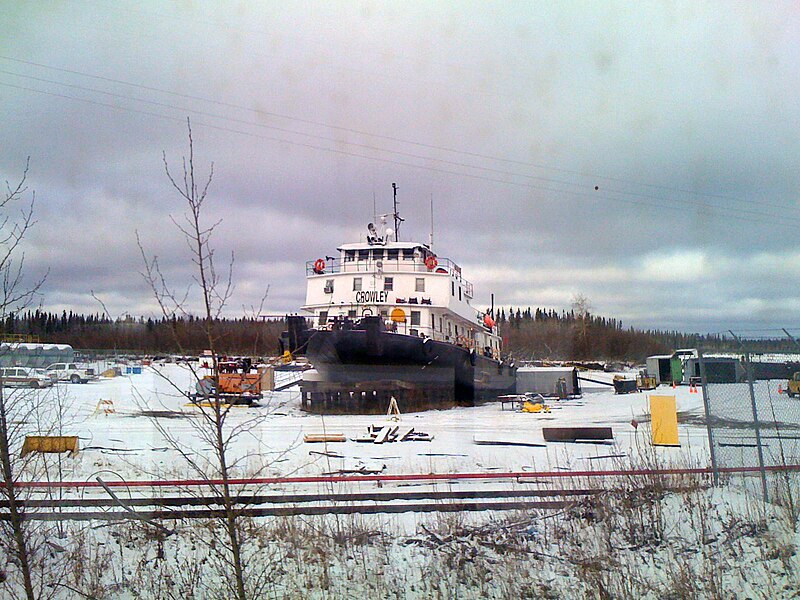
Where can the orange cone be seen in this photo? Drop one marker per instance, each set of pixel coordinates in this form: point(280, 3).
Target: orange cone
point(780, 388)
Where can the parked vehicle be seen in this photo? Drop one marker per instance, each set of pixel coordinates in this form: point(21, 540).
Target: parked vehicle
point(70, 372)
point(24, 377)
point(793, 387)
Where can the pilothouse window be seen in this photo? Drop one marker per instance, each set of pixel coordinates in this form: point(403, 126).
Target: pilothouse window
point(363, 255)
point(393, 253)
point(349, 255)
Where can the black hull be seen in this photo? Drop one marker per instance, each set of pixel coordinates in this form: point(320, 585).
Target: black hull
point(359, 370)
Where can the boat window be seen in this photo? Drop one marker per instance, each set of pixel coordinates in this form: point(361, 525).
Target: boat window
point(420, 284)
point(329, 286)
point(388, 283)
point(433, 322)
point(323, 317)
point(377, 254)
point(363, 255)
point(408, 254)
point(459, 292)
point(351, 314)
point(356, 284)
point(452, 288)
point(415, 317)
point(349, 255)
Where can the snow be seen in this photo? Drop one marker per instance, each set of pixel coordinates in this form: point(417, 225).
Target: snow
point(635, 541)
point(133, 444)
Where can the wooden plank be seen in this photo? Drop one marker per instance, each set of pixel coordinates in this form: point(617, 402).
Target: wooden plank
point(404, 433)
point(383, 434)
point(311, 438)
point(485, 442)
point(574, 434)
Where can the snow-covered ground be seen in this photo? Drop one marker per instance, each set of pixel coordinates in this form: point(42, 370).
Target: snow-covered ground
point(129, 441)
point(661, 537)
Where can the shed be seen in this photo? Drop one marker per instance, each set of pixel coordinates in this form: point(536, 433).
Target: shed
point(544, 380)
point(658, 366)
point(718, 369)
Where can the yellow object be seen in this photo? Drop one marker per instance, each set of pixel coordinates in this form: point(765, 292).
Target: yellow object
point(530, 407)
point(646, 383)
point(399, 315)
point(287, 357)
point(793, 385)
point(50, 443)
point(664, 421)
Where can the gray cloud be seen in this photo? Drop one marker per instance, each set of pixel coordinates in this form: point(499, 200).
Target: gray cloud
point(508, 116)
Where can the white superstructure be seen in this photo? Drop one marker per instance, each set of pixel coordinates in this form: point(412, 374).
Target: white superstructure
point(415, 291)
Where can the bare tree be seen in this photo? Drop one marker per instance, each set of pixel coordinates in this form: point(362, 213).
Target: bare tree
point(580, 308)
point(18, 406)
point(212, 425)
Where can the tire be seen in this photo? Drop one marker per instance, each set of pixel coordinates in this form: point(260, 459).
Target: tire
point(35, 385)
point(75, 379)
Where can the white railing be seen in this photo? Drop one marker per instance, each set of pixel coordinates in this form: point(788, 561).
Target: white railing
point(388, 266)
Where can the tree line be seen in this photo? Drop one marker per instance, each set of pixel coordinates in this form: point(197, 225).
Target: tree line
point(541, 334)
point(174, 334)
point(528, 334)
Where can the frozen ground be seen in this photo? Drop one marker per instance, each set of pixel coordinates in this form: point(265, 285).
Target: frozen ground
point(129, 442)
point(663, 537)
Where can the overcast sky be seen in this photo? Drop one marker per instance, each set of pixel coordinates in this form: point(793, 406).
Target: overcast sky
point(645, 155)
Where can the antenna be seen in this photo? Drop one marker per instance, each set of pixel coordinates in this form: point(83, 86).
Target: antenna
point(431, 244)
point(397, 219)
point(374, 207)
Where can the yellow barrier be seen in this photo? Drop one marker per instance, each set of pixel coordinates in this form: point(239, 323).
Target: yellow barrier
point(664, 421)
point(51, 444)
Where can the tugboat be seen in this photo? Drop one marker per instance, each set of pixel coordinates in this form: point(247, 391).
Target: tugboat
point(391, 318)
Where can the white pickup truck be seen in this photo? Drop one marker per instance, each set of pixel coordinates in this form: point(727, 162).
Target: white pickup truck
point(70, 372)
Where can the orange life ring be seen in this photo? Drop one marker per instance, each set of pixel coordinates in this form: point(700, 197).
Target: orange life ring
point(431, 262)
point(319, 265)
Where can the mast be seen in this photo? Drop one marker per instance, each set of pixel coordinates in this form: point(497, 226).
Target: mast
point(397, 219)
point(431, 241)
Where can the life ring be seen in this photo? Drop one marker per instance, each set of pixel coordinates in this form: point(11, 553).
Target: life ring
point(431, 262)
point(319, 266)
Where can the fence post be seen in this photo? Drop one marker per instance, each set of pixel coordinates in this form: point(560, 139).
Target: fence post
point(706, 406)
point(756, 425)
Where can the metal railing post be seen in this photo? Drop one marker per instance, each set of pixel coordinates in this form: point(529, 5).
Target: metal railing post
point(757, 426)
point(706, 406)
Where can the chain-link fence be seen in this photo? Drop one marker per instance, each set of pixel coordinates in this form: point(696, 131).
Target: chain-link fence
point(754, 422)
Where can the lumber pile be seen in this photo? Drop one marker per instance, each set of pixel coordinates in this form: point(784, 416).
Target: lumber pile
point(392, 432)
